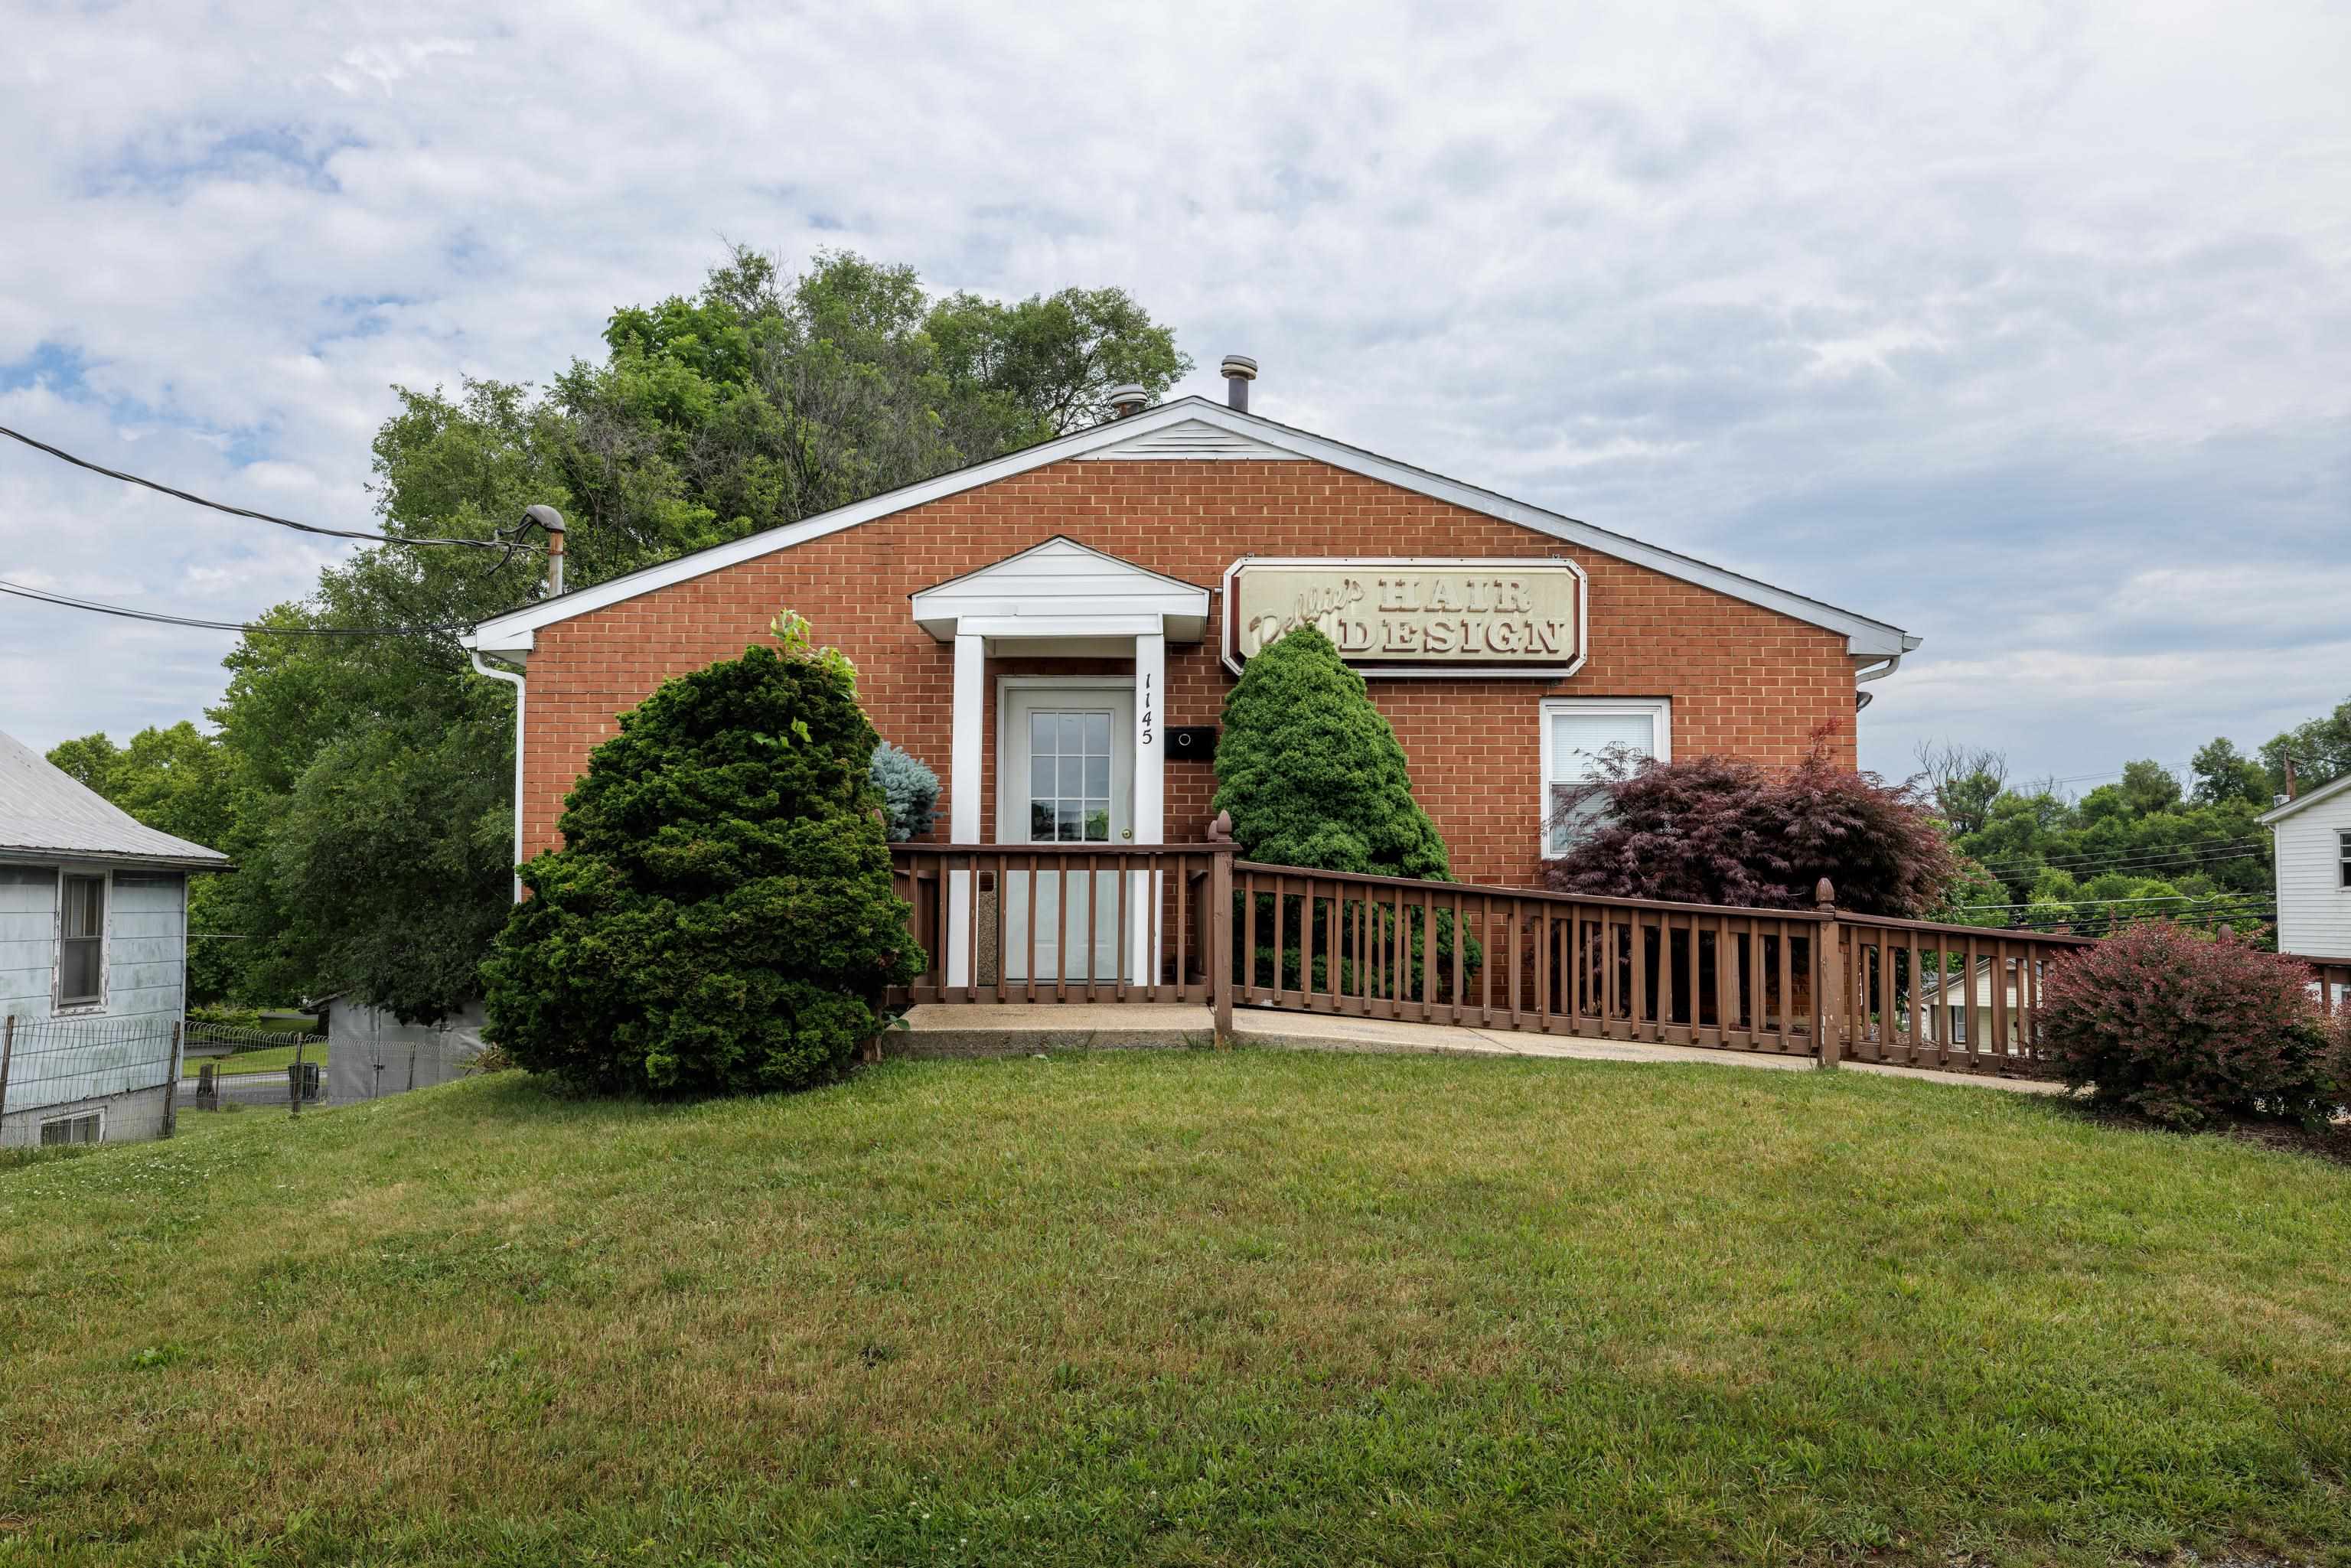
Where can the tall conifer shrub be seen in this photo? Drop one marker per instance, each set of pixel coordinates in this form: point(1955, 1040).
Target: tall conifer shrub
point(1314, 776)
point(720, 918)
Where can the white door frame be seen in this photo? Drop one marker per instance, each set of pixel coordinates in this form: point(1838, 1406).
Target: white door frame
point(972, 703)
point(1011, 792)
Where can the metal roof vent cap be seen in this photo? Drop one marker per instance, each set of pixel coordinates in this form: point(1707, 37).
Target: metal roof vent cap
point(1239, 370)
point(1126, 401)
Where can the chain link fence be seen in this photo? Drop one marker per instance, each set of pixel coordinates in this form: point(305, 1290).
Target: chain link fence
point(84, 1080)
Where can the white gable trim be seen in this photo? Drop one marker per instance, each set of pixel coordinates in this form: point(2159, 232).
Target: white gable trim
point(2302, 802)
point(1192, 440)
point(1059, 581)
point(1864, 636)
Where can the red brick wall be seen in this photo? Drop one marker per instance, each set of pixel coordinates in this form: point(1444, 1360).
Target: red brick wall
point(1743, 680)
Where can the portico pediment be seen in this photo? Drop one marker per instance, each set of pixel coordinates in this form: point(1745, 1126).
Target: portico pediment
point(1063, 590)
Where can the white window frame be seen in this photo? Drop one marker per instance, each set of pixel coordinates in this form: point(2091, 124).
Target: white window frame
point(2342, 860)
point(1660, 712)
point(93, 1113)
point(58, 1006)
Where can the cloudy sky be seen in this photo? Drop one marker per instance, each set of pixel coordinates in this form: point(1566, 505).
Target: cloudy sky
point(2027, 328)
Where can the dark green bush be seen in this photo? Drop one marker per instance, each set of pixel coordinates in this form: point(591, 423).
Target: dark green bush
point(1312, 772)
point(720, 919)
point(1314, 776)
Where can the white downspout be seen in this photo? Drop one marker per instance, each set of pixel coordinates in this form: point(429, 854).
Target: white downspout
point(522, 691)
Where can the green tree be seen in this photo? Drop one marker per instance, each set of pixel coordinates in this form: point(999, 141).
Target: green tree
point(1312, 773)
point(756, 401)
point(178, 780)
point(2321, 750)
point(720, 918)
point(2224, 774)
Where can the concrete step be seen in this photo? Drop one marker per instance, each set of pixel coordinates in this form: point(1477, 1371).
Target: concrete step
point(1011, 1029)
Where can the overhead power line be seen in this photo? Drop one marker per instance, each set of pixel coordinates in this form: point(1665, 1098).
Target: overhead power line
point(2247, 844)
point(65, 602)
point(64, 456)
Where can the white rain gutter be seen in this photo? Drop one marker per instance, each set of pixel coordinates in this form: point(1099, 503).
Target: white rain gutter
point(522, 691)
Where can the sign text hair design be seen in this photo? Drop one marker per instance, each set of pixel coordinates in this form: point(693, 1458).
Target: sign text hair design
point(1414, 617)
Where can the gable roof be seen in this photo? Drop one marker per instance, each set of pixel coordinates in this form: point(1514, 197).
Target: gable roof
point(1180, 429)
point(1063, 577)
point(47, 813)
point(2303, 802)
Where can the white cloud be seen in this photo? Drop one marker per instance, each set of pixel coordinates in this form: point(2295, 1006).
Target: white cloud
point(2023, 326)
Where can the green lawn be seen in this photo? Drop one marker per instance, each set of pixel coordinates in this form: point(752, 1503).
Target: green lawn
point(270, 1058)
point(1179, 1307)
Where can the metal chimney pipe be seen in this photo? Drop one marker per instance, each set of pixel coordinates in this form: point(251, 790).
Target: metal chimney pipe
point(551, 521)
point(1126, 401)
point(1239, 370)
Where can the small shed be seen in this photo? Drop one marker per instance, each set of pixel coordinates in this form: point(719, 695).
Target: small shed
point(93, 958)
point(370, 1053)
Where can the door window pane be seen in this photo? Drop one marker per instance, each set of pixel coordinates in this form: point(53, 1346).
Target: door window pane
point(1069, 772)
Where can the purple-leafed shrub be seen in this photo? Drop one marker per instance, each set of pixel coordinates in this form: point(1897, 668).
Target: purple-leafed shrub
point(2183, 1027)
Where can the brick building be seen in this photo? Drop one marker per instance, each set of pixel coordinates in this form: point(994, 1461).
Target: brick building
point(1070, 616)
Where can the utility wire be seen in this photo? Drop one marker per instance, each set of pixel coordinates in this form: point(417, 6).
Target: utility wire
point(64, 456)
point(41, 596)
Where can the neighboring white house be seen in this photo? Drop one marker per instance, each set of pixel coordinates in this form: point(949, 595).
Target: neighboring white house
point(2314, 871)
point(2314, 881)
point(93, 957)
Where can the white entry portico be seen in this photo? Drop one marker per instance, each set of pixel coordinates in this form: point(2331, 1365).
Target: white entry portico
point(1061, 600)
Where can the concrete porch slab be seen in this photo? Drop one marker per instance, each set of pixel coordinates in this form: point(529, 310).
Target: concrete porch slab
point(1009, 1029)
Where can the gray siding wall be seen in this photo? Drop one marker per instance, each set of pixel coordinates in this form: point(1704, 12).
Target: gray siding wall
point(118, 1054)
point(29, 939)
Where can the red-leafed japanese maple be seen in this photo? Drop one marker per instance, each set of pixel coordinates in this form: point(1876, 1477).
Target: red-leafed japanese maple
point(1716, 829)
point(2182, 1028)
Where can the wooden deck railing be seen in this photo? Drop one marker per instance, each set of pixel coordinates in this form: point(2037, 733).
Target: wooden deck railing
point(1959, 998)
point(1040, 922)
point(1191, 923)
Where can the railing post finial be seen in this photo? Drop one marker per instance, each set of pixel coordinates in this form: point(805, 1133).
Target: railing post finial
point(1220, 831)
point(1824, 895)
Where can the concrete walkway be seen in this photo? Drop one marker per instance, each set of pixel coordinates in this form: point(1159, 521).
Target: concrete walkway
point(988, 1029)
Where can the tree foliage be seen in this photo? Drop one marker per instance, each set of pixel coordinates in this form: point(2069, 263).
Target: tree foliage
point(176, 780)
point(720, 918)
point(366, 782)
point(1715, 830)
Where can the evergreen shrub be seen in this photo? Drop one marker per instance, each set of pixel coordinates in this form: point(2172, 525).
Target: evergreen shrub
point(720, 918)
point(1314, 776)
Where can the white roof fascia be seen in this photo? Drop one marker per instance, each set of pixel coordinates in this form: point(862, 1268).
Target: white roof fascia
point(2323, 792)
point(1864, 636)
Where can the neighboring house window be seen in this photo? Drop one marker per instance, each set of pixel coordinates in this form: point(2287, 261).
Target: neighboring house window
point(81, 941)
point(2342, 860)
point(1578, 732)
point(89, 1127)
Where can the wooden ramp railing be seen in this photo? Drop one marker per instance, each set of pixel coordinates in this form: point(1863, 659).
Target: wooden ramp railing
point(1191, 923)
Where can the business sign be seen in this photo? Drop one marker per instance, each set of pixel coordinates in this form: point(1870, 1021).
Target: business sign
point(1406, 617)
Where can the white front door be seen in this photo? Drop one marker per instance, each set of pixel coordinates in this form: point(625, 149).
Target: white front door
point(1065, 777)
